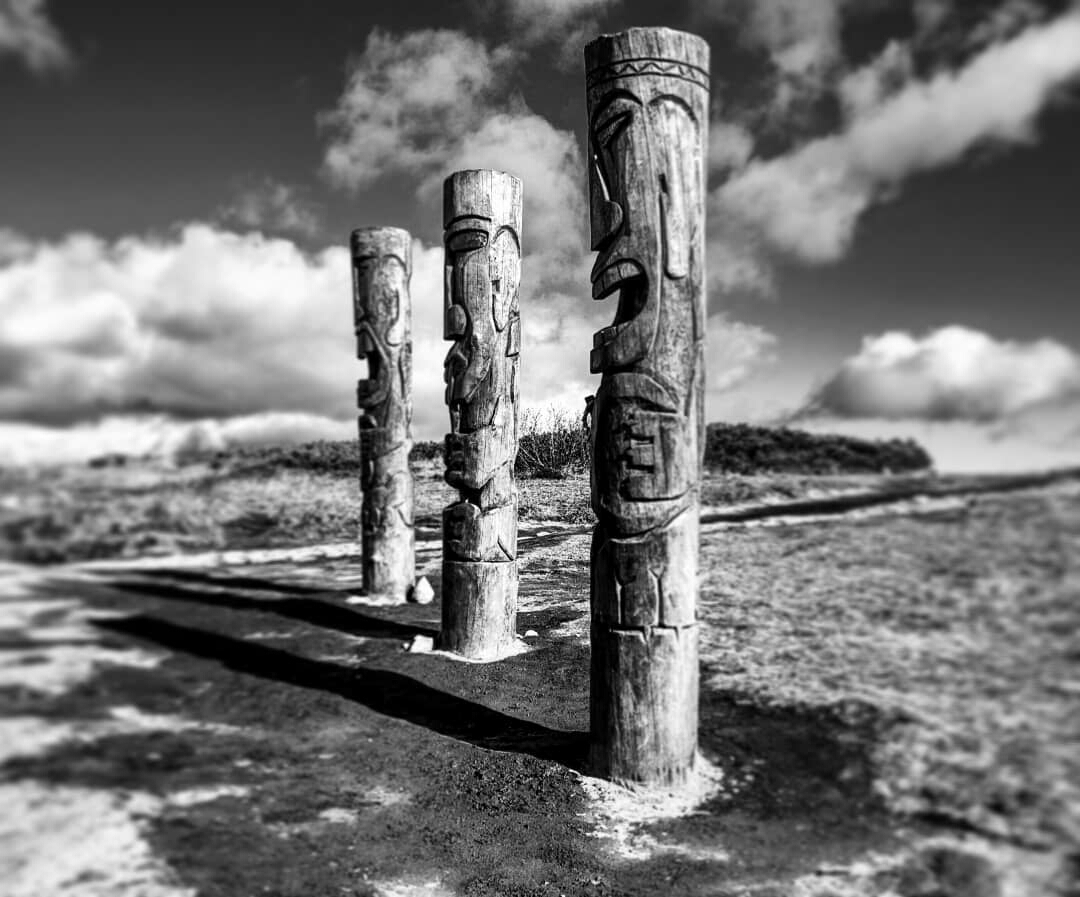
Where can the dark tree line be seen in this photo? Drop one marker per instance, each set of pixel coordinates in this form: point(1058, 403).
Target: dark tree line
point(741, 448)
point(729, 448)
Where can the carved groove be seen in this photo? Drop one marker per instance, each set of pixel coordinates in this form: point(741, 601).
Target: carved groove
point(665, 68)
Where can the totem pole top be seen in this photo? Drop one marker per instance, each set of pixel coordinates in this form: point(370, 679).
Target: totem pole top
point(482, 193)
point(380, 241)
point(645, 52)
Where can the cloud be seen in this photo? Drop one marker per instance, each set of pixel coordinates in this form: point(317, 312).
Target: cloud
point(730, 146)
point(568, 20)
point(427, 103)
point(801, 37)
point(954, 373)
point(275, 207)
point(205, 323)
point(733, 351)
point(943, 25)
point(930, 14)
point(806, 204)
point(409, 102)
point(1006, 20)
point(27, 34)
point(159, 436)
point(549, 164)
point(212, 324)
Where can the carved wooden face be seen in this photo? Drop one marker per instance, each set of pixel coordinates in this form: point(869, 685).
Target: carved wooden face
point(647, 121)
point(380, 326)
point(482, 273)
point(644, 194)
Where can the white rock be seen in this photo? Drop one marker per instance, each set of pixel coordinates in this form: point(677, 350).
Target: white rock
point(422, 592)
point(531, 633)
point(421, 644)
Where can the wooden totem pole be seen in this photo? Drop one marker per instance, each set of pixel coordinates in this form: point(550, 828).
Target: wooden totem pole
point(648, 103)
point(482, 220)
point(382, 265)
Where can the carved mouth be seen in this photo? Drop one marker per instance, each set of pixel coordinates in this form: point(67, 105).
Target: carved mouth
point(370, 389)
point(628, 277)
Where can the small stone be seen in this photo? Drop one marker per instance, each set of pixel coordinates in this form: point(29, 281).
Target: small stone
point(531, 633)
point(421, 644)
point(422, 592)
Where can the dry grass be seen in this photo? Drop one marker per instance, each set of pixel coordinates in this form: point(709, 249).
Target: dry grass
point(955, 632)
point(150, 507)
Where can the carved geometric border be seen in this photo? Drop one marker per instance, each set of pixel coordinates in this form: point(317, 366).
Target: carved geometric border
point(664, 68)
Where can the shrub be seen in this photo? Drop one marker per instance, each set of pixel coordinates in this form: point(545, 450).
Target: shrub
point(426, 450)
point(551, 443)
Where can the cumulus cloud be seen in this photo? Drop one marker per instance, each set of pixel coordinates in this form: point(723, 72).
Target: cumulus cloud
point(806, 204)
point(734, 350)
point(802, 38)
point(954, 373)
point(270, 205)
point(930, 14)
point(204, 323)
point(567, 20)
point(409, 101)
point(211, 325)
point(159, 436)
point(27, 34)
point(426, 103)
point(549, 164)
point(1006, 20)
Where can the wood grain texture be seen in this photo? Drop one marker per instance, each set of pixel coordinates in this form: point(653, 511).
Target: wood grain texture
point(647, 93)
point(382, 265)
point(482, 220)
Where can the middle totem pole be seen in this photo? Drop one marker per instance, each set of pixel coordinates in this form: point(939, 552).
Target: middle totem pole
point(482, 221)
point(648, 102)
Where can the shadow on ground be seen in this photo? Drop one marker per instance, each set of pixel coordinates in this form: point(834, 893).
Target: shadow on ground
point(221, 592)
point(382, 691)
point(364, 764)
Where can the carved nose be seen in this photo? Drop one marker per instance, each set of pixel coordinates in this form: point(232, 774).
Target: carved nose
point(455, 322)
point(364, 344)
point(609, 218)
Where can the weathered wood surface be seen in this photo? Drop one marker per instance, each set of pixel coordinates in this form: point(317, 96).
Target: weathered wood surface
point(382, 265)
point(648, 101)
point(482, 220)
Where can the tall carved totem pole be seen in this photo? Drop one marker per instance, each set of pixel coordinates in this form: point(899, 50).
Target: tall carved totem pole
point(382, 265)
point(648, 103)
point(482, 220)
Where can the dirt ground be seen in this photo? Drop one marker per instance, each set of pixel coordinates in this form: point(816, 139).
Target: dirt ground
point(890, 706)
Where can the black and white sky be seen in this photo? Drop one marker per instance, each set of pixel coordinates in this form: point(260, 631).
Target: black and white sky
point(893, 246)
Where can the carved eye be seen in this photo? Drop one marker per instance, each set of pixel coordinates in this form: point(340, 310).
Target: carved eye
point(466, 241)
point(610, 128)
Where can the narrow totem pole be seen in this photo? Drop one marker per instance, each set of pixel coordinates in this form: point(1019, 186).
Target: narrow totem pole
point(648, 102)
point(482, 218)
point(382, 265)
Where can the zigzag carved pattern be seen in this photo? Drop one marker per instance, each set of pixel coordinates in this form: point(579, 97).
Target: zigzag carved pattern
point(664, 68)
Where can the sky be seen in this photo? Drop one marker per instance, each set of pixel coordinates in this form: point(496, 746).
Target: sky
point(890, 243)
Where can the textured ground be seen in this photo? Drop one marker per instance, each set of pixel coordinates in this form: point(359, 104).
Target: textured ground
point(891, 705)
point(155, 507)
